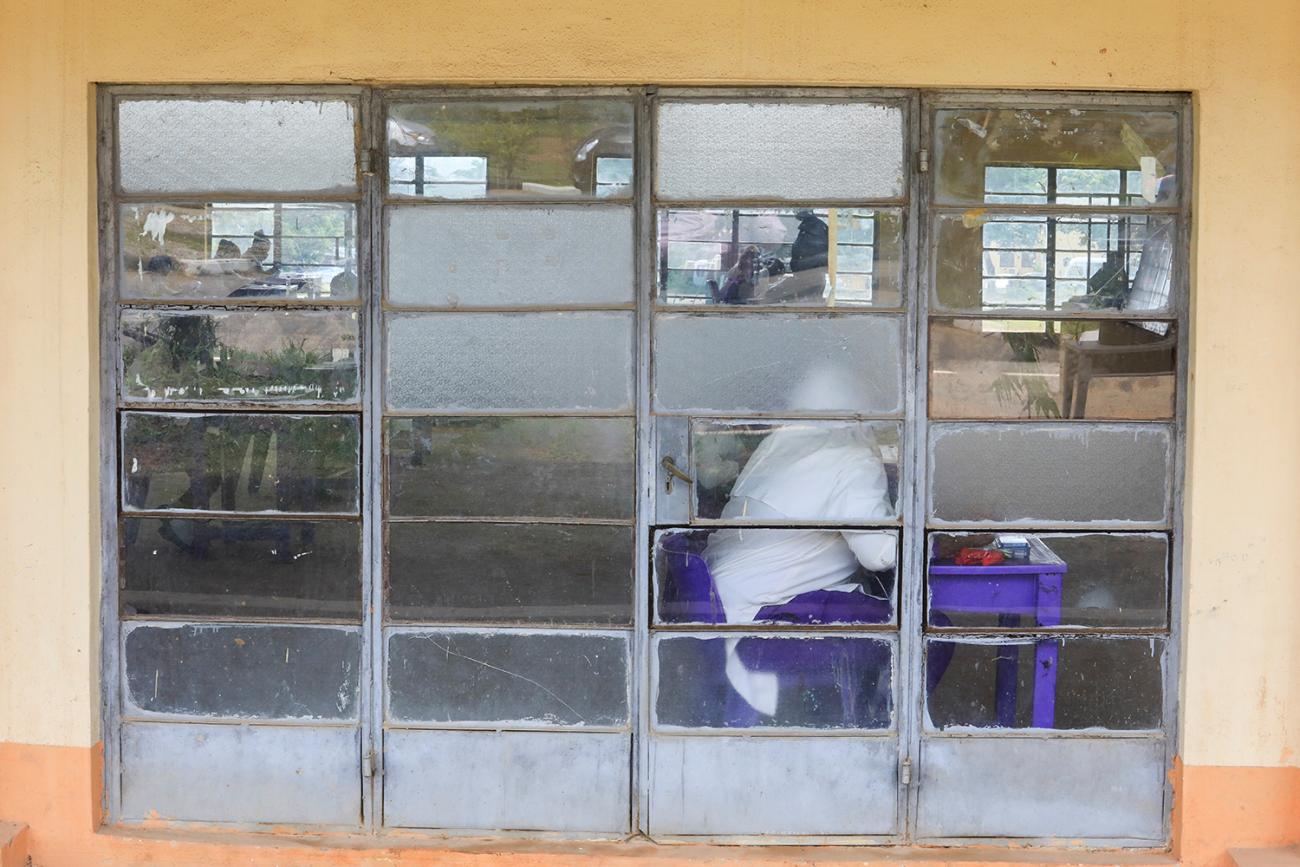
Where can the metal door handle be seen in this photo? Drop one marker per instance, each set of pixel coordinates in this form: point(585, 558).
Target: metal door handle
point(674, 471)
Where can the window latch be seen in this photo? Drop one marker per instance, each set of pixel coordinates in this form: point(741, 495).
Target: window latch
point(907, 772)
point(923, 161)
point(674, 471)
point(370, 767)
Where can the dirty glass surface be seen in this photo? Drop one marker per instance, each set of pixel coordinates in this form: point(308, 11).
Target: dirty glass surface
point(796, 470)
point(236, 568)
point(1035, 368)
point(238, 251)
point(692, 568)
point(247, 672)
point(527, 148)
point(987, 262)
point(1057, 683)
point(505, 255)
point(510, 361)
point(270, 356)
point(1034, 472)
point(808, 257)
point(511, 467)
point(516, 676)
point(1060, 156)
point(775, 362)
point(252, 145)
point(240, 462)
point(753, 681)
point(524, 573)
point(1073, 579)
point(779, 150)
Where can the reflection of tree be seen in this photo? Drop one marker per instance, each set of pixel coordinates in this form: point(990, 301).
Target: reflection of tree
point(1029, 392)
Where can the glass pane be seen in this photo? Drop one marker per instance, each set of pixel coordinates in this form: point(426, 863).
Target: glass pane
point(1067, 156)
point(252, 672)
point(1018, 368)
point(257, 145)
point(528, 573)
point(796, 577)
point(1105, 262)
point(236, 251)
point(510, 148)
point(843, 472)
point(775, 362)
point(510, 361)
point(523, 677)
point(289, 569)
point(815, 257)
point(240, 462)
point(511, 467)
point(1054, 683)
point(474, 255)
point(1027, 473)
point(752, 681)
point(272, 356)
point(790, 151)
point(1048, 579)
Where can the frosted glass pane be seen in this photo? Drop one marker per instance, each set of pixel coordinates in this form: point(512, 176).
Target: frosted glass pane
point(779, 362)
point(516, 676)
point(1022, 473)
point(780, 151)
point(257, 145)
point(520, 361)
point(499, 256)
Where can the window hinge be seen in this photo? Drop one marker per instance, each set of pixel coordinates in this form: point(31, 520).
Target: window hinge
point(370, 767)
point(367, 161)
point(907, 772)
point(923, 161)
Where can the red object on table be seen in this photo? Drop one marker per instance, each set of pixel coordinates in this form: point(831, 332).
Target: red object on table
point(978, 557)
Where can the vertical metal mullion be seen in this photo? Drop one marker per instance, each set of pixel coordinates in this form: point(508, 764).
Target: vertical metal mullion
point(912, 583)
point(109, 480)
point(1181, 305)
point(646, 254)
point(370, 251)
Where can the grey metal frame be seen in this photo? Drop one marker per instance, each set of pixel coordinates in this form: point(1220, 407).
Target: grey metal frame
point(917, 267)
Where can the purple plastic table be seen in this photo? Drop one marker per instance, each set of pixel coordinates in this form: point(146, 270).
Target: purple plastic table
point(1011, 590)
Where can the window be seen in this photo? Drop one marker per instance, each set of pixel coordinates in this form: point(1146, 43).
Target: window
point(700, 464)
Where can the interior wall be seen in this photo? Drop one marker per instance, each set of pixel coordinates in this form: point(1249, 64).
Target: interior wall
point(1242, 665)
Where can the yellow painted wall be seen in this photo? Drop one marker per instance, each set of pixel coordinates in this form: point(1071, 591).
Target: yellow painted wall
point(1242, 672)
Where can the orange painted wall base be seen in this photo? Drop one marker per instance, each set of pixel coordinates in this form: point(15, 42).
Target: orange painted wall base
point(56, 791)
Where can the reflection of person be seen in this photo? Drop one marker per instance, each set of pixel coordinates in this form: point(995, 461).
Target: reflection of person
point(800, 473)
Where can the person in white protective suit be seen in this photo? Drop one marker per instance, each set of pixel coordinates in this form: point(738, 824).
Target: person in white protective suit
point(803, 471)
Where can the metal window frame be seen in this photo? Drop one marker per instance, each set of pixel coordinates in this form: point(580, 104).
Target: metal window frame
point(916, 265)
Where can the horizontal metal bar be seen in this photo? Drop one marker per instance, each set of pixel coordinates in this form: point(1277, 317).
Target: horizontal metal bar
point(172, 514)
point(733, 309)
point(204, 91)
point(961, 633)
point(459, 91)
point(833, 93)
point(229, 406)
point(222, 197)
point(1148, 422)
point(661, 731)
point(1039, 526)
point(390, 307)
point(508, 519)
point(1045, 734)
point(220, 304)
point(179, 719)
point(775, 629)
point(243, 619)
point(567, 626)
point(697, 522)
point(1030, 314)
point(993, 209)
point(406, 725)
point(664, 204)
point(976, 98)
point(509, 413)
point(505, 197)
point(774, 415)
